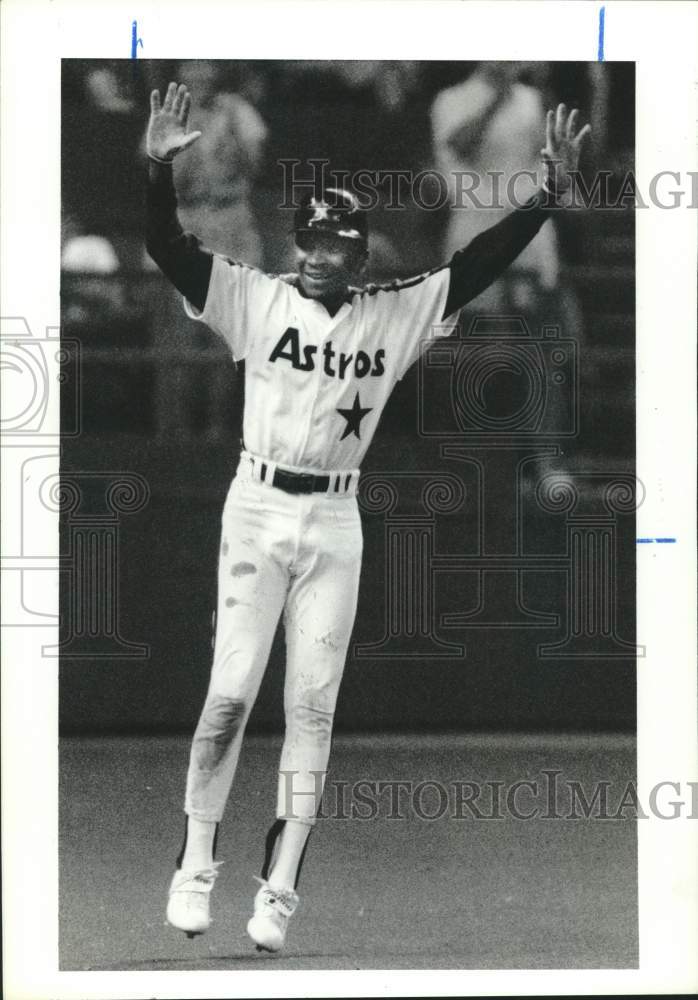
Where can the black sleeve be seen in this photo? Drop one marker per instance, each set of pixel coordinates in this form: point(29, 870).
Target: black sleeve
point(489, 254)
point(179, 255)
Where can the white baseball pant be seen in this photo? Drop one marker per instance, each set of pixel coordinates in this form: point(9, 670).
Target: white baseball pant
point(300, 554)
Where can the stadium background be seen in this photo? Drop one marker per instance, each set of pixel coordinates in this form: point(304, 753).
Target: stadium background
point(150, 395)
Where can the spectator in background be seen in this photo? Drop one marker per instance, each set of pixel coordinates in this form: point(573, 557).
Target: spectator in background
point(96, 301)
point(88, 255)
point(101, 111)
point(390, 81)
point(214, 183)
point(109, 92)
point(492, 121)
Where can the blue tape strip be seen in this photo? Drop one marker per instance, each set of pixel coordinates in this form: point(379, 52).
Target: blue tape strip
point(135, 40)
point(602, 25)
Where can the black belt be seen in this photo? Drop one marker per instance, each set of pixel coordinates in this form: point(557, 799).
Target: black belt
point(303, 482)
point(299, 482)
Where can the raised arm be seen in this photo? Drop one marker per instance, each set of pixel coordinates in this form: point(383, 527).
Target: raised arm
point(179, 255)
point(475, 267)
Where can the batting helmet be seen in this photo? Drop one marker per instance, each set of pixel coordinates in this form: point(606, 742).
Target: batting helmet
point(335, 211)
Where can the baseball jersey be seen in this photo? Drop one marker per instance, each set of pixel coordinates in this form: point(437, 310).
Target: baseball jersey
point(315, 384)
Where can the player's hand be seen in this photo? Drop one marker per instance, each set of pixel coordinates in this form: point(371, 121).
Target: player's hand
point(167, 129)
point(562, 146)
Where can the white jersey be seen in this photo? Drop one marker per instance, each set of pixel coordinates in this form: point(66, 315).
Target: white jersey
point(315, 384)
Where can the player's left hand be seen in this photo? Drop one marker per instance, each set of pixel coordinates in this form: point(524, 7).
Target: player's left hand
point(562, 146)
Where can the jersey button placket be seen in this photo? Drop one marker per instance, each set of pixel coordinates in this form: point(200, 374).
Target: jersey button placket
point(312, 408)
point(319, 376)
point(330, 393)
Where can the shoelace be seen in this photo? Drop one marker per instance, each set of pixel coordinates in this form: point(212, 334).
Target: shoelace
point(206, 875)
point(287, 897)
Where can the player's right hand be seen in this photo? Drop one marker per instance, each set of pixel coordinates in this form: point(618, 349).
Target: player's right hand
point(167, 129)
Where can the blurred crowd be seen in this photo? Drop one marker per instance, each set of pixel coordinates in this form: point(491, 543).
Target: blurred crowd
point(357, 115)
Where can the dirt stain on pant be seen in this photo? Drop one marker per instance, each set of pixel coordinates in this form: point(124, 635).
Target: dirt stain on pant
point(308, 722)
point(329, 640)
point(218, 726)
point(242, 569)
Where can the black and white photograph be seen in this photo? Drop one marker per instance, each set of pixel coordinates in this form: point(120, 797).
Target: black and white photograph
point(338, 526)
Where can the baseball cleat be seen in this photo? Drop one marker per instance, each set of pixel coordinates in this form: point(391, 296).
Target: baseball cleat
point(188, 906)
point(273, 908)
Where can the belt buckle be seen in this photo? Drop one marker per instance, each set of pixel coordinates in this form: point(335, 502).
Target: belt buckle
point(306, 482)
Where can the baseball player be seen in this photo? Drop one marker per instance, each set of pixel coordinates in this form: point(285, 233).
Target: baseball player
point(322, 354)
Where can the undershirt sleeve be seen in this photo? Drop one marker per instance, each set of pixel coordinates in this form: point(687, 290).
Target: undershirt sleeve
point(180, 256)
point(482, 261)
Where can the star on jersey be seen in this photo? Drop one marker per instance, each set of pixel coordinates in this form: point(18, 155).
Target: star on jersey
point(353, 417)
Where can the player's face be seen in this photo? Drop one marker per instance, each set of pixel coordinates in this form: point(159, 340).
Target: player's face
point(327, 264)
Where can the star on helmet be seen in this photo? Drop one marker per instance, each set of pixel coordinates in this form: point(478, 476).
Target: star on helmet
point(333, 210)
point(320, 211)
